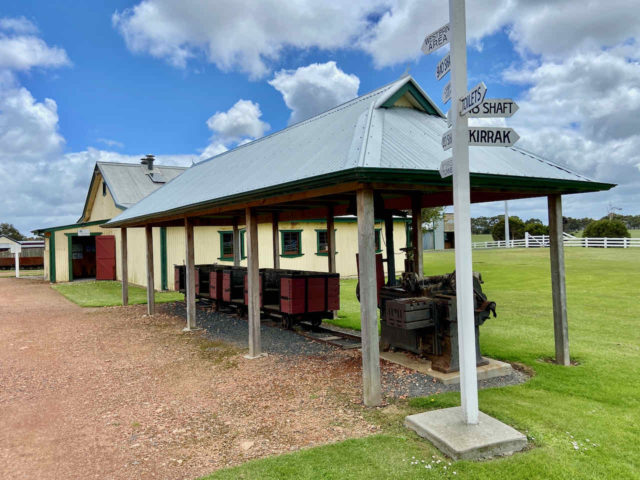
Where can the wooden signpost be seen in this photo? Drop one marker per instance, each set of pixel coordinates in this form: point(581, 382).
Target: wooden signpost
point(467, 104)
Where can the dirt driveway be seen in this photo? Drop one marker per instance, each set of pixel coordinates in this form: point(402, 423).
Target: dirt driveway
point(112, 393)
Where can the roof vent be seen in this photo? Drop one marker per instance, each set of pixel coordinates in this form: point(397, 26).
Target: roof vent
point(148, 161)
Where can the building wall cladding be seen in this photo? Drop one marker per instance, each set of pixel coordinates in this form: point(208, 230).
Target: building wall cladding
point(103, 205)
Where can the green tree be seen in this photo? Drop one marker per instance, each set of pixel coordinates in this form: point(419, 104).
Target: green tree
point(534, 226)
point(10, 231)
point(606, 228)
point(430, 215)
point(516, 229)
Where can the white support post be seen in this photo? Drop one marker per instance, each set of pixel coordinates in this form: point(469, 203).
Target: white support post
point(124, 267)
point(16, 256)
point(506, 224)
point(190, 275)
point(151, 303)
point(276, 240)
point(558, 288)
point(461, 201)
point(372, 390)
point(605, 242)
point(237, 254)
point(526, 239)
point(253, 285)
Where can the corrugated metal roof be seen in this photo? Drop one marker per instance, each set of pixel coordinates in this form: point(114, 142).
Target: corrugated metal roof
point(130, 182)
point(361, 133)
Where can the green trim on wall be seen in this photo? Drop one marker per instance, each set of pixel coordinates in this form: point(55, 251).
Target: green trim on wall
point(222, 257)
point(52, 257)
point(291, 255)
point(69, 253)
point(163, 259)
point(242, 250)
point(415, 93)
point(67, 227)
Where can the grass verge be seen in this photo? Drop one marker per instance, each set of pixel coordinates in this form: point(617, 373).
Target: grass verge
point(109, 294)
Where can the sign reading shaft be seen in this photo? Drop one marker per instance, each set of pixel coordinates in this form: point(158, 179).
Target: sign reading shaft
point(494, 107)
point(435, 40)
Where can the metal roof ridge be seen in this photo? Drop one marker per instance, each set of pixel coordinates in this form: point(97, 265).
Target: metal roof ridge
point(125, 164)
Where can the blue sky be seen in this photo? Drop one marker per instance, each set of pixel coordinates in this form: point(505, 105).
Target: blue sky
point(162, 77)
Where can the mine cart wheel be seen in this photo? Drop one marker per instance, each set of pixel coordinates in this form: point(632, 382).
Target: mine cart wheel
point(287, 322)
point(316, 322)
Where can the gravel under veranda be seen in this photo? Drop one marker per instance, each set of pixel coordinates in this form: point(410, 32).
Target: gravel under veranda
point(397, 381)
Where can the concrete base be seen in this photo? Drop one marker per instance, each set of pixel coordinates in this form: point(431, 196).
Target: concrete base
point(494, 368)
point(194, 329)
point(447, 431)
point(249, 357)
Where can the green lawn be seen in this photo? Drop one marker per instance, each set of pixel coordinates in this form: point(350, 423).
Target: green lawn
point(108, 294)
point(596, 402)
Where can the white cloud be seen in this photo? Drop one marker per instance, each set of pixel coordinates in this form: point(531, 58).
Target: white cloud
point(315, 88)
point(241, 35)
point(110, 143)
point(24, 52)
point(239, 124)
point(18, 25)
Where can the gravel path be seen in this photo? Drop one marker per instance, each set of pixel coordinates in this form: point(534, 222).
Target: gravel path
point(397, 381)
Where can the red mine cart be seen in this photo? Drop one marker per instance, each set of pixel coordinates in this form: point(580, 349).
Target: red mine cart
point(309, 296)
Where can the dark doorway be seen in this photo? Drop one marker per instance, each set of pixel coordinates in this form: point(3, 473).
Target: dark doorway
point(83, 257)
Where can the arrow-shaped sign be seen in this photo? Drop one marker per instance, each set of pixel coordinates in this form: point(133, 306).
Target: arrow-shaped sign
point(494, 107)
point(492, 136)
point(447, 139)
point(435, 40)
point(446, 93)
point(473, 98)
point(443, 67)
point(446, 168)
point(449, 119)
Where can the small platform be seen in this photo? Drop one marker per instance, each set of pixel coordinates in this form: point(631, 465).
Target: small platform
point(447, 431)
point(494, 368)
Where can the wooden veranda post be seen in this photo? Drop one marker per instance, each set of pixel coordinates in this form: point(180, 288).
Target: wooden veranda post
point(368, 300)
point(331, 241)
point(253, 284)
point(558, 288)
point(237, 254)
point(124, 267)
point(276, 242)
point(190, 275)
point(416, 233)
point(391, 256)
point(151, 305)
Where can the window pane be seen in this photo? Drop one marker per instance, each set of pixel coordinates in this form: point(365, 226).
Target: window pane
point(227, 245)
point(323, 245)
point(291, 243)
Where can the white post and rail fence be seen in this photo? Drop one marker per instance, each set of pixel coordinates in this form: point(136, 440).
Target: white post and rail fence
point(542, 241)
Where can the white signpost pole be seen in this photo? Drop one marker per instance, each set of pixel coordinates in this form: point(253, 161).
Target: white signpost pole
point(17, 257)
point(462, 218)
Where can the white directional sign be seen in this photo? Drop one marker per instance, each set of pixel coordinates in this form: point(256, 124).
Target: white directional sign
point(443, 67)
point(447, 140)
point(449, 119)
point(473, 98)
point(446, 168)
point(436, 40)
point(446, 93)
point(494, 107)
point(84, 232)
point(492, 136)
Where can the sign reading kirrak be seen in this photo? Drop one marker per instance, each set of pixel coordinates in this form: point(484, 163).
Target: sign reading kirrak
point(443, 67)
point(473, 98)
point(446, 168)
point(494, 107)
point(447, 140)
point(492, 136)
point(435, 40)
point(446, 93)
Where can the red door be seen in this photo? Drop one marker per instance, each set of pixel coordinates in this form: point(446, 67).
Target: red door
point(105, 257)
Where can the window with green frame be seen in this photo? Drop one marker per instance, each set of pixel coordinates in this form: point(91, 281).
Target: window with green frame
point(378, 240)
point(226, 245)
point(291, 243)
point(322, 243)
